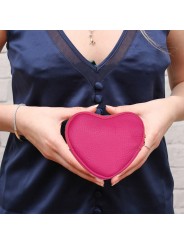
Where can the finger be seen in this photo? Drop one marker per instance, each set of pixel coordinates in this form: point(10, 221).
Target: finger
point(149, 143)
point(65, 152)
point(74, 170)
point(68, 112)
point(125, 108)
point(58, 151)
point(146, 150)
point(58, 145)
point(131, 171)
point(143, 154)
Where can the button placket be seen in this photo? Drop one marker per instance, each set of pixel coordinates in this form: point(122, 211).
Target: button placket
point(98, 194)
point(97, 209)
point(99, 111)
point(98, 98)
point(98, 86)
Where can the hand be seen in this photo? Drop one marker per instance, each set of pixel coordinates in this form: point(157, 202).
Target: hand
point(157, 116)
point(41, 126)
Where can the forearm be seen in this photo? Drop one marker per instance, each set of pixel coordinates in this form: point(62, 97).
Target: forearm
point(6, 117)
point(177, 102)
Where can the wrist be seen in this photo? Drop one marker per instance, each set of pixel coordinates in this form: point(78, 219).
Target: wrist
point(17, 120)
point(176, 107)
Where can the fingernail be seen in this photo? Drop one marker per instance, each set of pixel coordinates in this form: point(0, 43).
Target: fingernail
point(116, 180)
point(100, 184)
point(92, 106)
point(114, 183)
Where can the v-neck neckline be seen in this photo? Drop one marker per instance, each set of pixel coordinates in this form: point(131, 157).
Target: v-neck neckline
point(84, 59)
point(81, 64)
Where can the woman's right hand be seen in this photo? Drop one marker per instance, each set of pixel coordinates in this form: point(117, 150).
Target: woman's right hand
point(41, 126)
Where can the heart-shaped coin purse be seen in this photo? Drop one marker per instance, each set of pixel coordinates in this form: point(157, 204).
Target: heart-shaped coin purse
point(105, 145)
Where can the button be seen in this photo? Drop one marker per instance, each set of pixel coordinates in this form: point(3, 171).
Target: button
point(99, 111)
point(98, 98)
point(98, 194)
point(97, 210)
point(98, 86)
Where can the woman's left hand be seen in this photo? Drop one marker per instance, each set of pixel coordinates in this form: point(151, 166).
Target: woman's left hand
point(157, 116)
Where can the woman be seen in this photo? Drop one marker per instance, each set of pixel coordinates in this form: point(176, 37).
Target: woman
point(59, 73)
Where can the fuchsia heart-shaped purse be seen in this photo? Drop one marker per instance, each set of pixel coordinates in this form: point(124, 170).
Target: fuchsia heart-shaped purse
point(105, 145)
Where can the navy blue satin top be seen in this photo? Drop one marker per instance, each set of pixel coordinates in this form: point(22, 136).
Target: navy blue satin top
point(48, 70)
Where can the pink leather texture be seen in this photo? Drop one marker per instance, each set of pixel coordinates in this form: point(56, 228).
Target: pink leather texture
point(105, 145)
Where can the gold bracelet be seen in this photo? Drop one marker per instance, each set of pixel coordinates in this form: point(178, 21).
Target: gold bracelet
point(14, 121)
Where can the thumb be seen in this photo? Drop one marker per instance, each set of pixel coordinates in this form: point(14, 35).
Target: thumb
point(68, 112)
point(125, 108)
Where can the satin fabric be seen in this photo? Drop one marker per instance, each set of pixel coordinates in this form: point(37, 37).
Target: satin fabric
point(47, 70)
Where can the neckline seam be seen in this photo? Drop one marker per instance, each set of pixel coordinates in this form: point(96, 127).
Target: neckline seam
point(87, 62)
point(114, 50)
point(92, 74)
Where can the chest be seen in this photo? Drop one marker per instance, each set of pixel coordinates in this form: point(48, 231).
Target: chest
point(57, 54)
point(47, 69)
point(94, 45)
